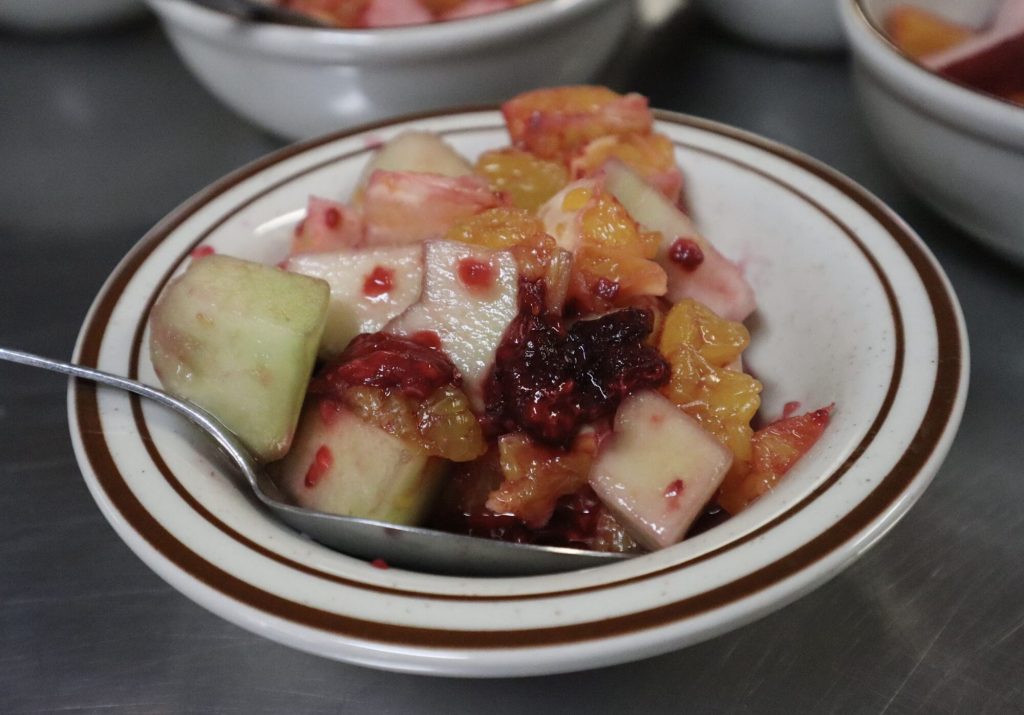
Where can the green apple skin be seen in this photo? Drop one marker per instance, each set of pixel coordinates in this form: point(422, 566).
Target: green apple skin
point(240, 339)
point(341, 464)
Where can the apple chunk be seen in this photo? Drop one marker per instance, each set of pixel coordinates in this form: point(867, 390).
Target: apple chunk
point(369, 287)
point(658, 469)
point(341, 464)
point(419, 152)
point(714, 280)
point(470, 295)
point(239, 339)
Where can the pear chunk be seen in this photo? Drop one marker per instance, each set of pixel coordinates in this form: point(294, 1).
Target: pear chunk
point(716, 282)
point(369, 287)
point(341, 464)
point(470, 295)
point(658, 469)
point(239, 339)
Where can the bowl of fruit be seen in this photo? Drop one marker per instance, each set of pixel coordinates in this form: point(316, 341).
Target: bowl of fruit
point(572, 323)
point(370, 59)
point(942, 88)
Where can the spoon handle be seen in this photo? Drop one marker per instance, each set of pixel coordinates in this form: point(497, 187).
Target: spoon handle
point(238, 452)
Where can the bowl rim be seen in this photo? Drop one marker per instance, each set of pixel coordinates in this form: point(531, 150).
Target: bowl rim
point(526, 651)
point(958, 102)
point(403, 41)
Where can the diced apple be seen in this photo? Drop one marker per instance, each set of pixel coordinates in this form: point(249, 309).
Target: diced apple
point(369, 287)
point(421, 152)
point(658, 469)
point(341, 464)
point(239, 339)
point(470, 295)
point(716, 281)
point(328, 226)
point(407, 207)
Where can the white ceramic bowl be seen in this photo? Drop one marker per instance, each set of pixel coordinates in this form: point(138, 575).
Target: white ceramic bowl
point(959, 149)
point(811, 25)
point(59, 16)
point(853, 310)
point(298, 82)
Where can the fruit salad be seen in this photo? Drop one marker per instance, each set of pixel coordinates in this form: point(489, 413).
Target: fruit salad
point(351, 14)
point(536, 344)
point(989, 58)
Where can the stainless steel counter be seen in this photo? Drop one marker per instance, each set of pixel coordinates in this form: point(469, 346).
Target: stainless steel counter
point(100, 136)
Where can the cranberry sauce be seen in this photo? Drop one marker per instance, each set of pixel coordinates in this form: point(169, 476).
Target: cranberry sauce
point(416, 366)
point(549, 381)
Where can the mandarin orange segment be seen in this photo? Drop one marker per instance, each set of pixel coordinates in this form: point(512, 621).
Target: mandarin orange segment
point(527, 180)
point(919, 32)
point(605, 223)
point(722, 400)
point(650, 155)
point(536, 477)
point(556, 123)
point(692, 324)
point(500, 228)
point(604, 278)
point(442, 425)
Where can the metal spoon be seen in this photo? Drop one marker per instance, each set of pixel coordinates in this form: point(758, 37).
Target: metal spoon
point(261, 11)
point(408, 547)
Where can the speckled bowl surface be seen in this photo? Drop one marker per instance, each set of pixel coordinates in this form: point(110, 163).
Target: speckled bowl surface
point(853, 311)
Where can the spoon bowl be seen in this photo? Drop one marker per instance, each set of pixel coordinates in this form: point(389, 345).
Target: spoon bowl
point(409, 547)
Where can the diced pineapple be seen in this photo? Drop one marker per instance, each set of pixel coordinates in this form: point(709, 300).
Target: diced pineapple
point(341, 464)
point(369, 287)
point(239, 339)
point(470, 295)
point(712, 279)
point(657, 470)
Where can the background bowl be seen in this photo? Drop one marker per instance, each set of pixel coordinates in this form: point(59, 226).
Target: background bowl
point(784, 24)
point(297, 82)
point(959, 149)
point(59, 16)
point(853, 310)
